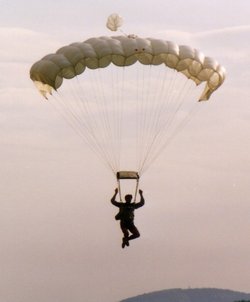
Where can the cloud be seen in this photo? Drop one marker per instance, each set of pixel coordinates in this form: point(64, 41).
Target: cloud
point(227, 30)
point(232, 42)
point(229, 42)
point(20, 49)
point(24, 45)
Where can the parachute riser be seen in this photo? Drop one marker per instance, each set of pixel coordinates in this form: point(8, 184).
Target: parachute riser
point(127, 175)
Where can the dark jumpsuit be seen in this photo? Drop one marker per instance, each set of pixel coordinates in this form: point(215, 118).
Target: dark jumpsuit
point(126, 217)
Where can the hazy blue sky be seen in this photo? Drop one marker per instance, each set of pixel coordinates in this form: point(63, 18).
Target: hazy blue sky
point(59, 241)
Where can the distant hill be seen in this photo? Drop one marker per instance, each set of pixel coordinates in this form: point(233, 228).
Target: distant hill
point(191, 295)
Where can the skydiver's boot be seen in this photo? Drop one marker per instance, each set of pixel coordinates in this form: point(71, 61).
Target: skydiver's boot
point(125, 242)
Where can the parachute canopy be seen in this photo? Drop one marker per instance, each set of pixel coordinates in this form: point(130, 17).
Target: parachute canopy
point(126, 96)
point(72, 60)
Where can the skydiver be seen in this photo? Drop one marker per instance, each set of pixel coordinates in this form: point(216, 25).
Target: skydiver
point(126, 216)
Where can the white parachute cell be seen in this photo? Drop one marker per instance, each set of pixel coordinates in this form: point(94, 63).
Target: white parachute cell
point(127, 96)
point(114, 22)
point(94, 53)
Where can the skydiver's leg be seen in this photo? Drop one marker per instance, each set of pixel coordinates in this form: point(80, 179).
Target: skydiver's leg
point(125, 232)
point(125, 239)
point(135, 233)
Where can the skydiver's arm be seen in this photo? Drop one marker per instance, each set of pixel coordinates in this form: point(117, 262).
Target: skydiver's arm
point(113, 201)
point(142, 201)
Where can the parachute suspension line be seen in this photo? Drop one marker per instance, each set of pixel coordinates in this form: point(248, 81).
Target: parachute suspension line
point(139, 112)
point(116, 103)
point(167, 116)
point(119, 188)
point(108, 140)
point(69, 118)
point(81, 107)
point(78, 127)
point(113, 122)
point(108, 86)
point(109, 123)
point(85, 107)
point(94, 110)
point(166, 143)
point(79, 122)
point(194, 108)
point(171, 104)
point(145, 117)
point(144, 111)
point(72, 115)
point(96, 123)
point(89, 112)
point(140, 115)
point(158, 99)
point(121, 101)
point(136, 189)
point(117, 88)
point(149, 109)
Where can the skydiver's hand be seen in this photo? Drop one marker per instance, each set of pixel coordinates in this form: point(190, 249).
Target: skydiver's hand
point(116, 191)
point(140, 192)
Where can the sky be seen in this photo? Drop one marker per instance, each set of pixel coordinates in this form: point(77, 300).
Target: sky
point(59, 239)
